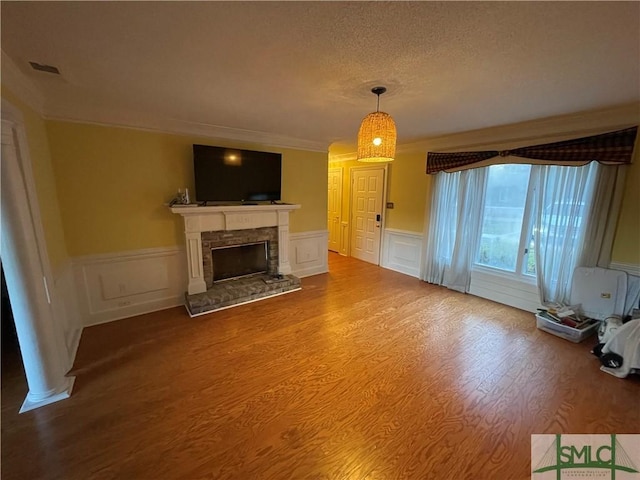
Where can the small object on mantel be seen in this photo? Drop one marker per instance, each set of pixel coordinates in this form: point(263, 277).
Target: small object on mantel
point(182, 199)
point(183, 196)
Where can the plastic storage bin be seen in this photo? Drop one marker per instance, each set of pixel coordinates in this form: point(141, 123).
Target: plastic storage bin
point(599, 292)
point(574, 335)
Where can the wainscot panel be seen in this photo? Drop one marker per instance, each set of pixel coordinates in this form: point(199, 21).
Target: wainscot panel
point(309, 253)
point(630, 268)
point(402, 251)
point(505, 290)
point(120, 285)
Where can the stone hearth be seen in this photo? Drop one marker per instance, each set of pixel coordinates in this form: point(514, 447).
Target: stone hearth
point(239, 291)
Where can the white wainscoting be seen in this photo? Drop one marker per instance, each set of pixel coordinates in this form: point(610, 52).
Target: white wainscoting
point(120, 285)
point(505, 290)
point(308, 253)
point(630, 268)
point(521, 295)
point(66, 311)
point(402, 251)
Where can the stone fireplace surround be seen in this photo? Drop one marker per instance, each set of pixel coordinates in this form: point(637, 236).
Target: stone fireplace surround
point(224, 238)
point(211, 226)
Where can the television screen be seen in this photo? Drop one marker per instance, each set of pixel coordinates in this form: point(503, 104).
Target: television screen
point(234, 175)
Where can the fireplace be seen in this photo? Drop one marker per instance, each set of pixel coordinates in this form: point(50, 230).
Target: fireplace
point(238, 261)
point(259, 233)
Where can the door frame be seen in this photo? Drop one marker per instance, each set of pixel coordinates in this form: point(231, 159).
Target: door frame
point(383, 213)
point(341, 170)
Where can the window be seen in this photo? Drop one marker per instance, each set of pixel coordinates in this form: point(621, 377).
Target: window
point(518, 223)
point(506, 241)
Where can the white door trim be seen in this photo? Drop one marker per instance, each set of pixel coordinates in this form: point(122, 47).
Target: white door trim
point(339, 197)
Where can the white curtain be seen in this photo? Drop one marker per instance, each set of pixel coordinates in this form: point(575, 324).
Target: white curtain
point(602, 215)
point(575, 213)
point(454, 227)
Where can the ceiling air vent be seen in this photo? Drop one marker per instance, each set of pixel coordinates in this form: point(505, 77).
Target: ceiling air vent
point(45, 68)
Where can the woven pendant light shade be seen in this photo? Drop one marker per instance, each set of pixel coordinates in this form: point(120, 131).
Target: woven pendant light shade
point(377, 136)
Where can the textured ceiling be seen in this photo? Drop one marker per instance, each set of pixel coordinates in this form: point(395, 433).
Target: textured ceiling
point(305, 69)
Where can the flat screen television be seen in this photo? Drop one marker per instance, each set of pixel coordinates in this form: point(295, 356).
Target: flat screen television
point(234, 175)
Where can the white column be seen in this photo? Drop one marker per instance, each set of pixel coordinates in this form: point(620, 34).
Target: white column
point(194, 262)
point(284, 267)
point(26, 283)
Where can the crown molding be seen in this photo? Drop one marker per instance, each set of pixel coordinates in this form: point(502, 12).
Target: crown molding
point(20, 85)
point(27, 91)
point(548, 129)
point(343, 157)
point(181, 127)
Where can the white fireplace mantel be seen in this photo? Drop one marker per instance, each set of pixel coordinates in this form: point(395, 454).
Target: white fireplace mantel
point(198, 219)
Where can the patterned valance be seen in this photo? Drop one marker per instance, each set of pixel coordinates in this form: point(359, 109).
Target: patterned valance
point(613, 148)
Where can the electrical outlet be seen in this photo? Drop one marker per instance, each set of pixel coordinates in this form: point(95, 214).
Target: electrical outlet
point(390, 205)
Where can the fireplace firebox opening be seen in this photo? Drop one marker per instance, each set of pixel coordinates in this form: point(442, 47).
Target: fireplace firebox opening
point(238, 261)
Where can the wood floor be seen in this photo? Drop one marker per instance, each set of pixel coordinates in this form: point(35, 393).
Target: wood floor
point(364, 374)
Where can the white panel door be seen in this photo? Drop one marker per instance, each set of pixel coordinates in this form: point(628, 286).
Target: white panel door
point(335, 208)
point(366, 213)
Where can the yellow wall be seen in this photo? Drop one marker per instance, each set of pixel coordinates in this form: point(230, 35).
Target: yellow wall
point(304, 181)
point(626, 244)
point(407, 188)
point(112, 183)
point(44, 179)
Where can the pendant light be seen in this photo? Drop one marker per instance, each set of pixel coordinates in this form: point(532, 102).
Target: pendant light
point(377, 135)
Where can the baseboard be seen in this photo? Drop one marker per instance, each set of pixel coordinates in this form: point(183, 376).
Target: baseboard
point(402, 251)
point(120, 285)
point(309, 253)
